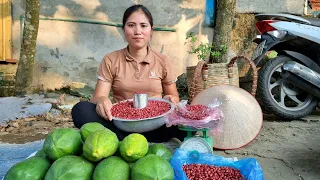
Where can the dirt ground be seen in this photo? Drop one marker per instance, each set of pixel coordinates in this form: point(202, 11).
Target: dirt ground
point(286, 150)
point(33, 128)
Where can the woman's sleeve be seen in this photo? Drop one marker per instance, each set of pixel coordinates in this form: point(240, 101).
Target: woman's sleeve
point(104, 70)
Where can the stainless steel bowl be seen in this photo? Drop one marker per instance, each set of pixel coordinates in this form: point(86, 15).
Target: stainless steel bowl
point(142, 125)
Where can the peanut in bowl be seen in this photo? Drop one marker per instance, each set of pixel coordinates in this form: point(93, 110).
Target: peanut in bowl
point(147, 121)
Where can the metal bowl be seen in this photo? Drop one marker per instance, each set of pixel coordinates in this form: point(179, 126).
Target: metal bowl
point(142, 125)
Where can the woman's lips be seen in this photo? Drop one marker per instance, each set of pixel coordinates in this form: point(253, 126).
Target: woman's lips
point(137, 39)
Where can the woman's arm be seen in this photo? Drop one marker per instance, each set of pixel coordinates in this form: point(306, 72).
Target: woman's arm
point(101, 98)
point(171, 93)
point(102, 90)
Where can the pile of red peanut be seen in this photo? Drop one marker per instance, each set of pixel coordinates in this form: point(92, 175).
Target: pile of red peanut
point(195, 112)
point(208, 172)
point(125, 110)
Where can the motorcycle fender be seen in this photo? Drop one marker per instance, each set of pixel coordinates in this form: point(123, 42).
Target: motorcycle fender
point(302, 59)
point(259, 60)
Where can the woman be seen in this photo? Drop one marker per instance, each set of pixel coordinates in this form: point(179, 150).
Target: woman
point(136, 68)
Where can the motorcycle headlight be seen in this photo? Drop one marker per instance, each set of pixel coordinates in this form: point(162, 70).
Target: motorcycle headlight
point(278, 33)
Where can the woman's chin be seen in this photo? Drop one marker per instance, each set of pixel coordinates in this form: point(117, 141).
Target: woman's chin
point(138, 46)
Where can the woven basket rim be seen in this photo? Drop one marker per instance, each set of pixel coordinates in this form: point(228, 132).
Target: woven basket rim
point(225, 72)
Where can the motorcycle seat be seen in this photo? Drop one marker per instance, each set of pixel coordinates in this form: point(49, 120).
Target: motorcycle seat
point(314, 22)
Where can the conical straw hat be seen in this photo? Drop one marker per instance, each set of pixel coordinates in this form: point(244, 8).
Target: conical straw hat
point(242, 115)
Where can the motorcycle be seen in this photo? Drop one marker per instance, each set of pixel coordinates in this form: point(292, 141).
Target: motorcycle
point(288, 82)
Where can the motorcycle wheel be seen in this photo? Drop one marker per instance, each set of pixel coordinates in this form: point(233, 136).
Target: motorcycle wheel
point(280, 97)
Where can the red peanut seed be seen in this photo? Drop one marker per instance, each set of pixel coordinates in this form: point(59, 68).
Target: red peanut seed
point(204, 172)
point(125, 110)
point(195, 112)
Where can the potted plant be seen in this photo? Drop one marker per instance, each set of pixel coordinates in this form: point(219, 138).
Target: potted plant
point(212, 73)
point(205, 50)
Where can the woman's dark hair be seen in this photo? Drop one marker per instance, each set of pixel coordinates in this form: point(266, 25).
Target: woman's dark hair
point(133, 9)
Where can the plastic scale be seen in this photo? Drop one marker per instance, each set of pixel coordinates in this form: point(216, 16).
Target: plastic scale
point(202, 144)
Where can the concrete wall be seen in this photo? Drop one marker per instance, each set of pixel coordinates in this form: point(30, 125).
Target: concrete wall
point(68, 51)
point(71, 52)
point(270, 6)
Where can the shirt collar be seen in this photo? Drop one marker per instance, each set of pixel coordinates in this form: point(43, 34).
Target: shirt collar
point(147, 59)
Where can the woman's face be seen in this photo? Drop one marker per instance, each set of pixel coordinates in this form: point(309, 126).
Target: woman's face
point(138, 30)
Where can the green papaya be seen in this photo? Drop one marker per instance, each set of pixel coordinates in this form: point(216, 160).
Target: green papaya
point(90, 128)
point(33, 168)
point(133, 147)
point(112, 168)
point(70, 167)
point(161, 151)
point(101, 144)
point(152, 167)
point(61, 142)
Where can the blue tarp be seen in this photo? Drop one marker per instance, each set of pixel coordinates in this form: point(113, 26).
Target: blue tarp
point(12, 108)
point(11, 154)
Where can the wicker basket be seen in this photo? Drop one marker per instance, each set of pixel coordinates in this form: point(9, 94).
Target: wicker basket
point(205, 75)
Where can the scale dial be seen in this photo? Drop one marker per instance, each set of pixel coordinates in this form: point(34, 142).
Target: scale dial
point(198, 144)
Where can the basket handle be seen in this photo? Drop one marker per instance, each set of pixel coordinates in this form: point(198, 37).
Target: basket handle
point(254, 71)
point(197, 74)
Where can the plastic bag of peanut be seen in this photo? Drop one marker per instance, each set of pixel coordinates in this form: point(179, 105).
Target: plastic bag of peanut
point(196, 116)
point(192, 165)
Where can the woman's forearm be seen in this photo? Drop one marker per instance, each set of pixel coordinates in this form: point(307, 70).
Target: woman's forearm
point(101, 92)
point(95, 100)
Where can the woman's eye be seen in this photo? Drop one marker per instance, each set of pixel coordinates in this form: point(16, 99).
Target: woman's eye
point(130, 25)
point(144, 25)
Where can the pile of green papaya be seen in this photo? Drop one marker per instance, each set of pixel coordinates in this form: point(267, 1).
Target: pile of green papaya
point(94, 152)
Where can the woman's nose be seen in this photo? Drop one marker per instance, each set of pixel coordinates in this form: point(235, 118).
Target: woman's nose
point(137, 30)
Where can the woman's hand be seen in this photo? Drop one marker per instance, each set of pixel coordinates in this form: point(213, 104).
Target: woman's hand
point(171, 98)
point(103, 108)
point(171, 93)
point(100, 98)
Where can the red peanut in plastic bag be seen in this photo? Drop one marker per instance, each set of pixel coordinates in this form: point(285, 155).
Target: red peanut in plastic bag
point(196, 116)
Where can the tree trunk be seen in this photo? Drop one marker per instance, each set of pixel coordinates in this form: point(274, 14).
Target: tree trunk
point(24, 74)
point(224, 22)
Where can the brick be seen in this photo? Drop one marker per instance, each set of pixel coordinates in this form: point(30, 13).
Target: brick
point(11, 61)
point(315, 4)
point(7, 79)
point(8, 68)
point(7, 83)
point(6, 91)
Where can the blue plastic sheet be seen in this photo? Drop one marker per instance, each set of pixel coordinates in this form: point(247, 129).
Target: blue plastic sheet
point(10, 154)
point(249, 167)
point(209, 14)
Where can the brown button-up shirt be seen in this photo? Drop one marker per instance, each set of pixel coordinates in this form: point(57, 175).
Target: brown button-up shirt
point(127, 76)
